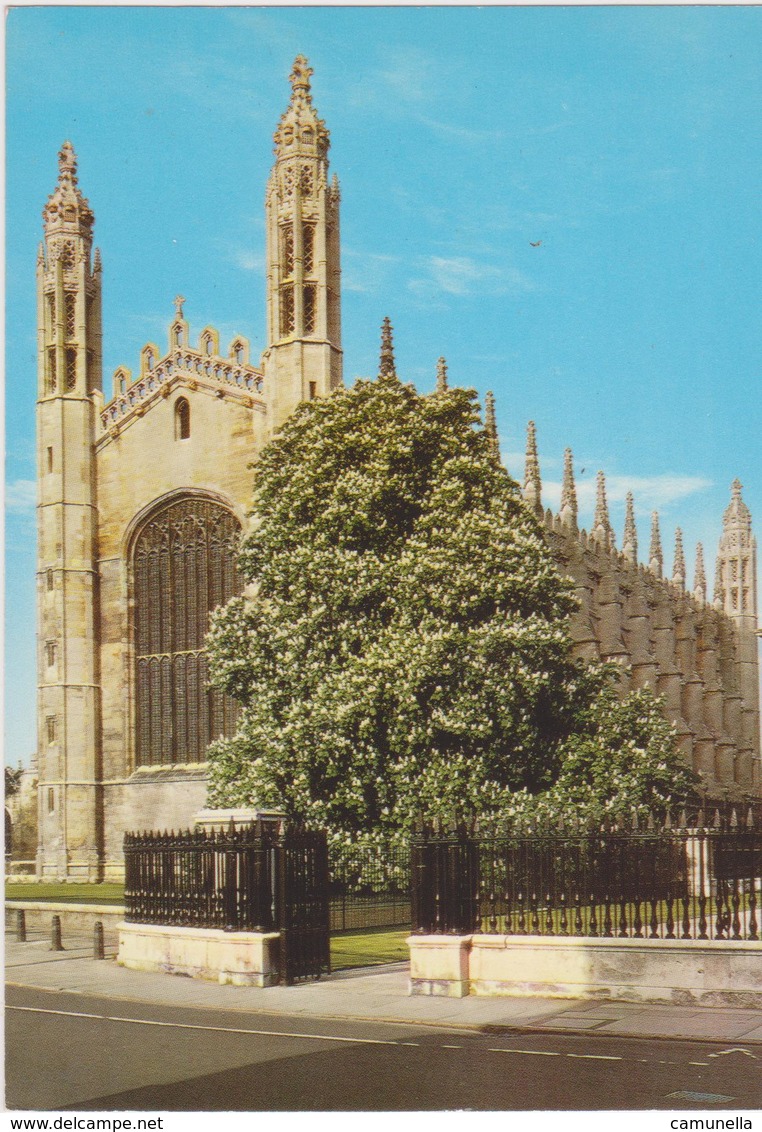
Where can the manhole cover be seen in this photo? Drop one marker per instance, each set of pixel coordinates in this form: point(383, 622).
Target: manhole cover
point(699, 1098)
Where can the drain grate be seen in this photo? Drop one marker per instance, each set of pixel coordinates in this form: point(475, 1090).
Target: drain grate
point(699, 1098)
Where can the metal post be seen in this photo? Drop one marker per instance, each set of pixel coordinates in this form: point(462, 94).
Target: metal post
point(21, 925)
point(98, 948)
point(55, 934)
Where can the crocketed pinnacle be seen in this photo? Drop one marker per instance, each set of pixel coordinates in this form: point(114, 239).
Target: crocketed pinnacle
point(655, 555)
point(490, 425)
point(386, 366)
point(441, 375)
point(67, 210)
point(568, 511)
point(630, 539)
point(699, 582)
point(602, 531)
point(532, 482)
point(678, 571)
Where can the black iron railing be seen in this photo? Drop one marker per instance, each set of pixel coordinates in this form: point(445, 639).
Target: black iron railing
point(675, 881)
point(263, 878)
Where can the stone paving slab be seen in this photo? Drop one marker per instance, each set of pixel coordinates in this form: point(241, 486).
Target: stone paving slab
point(379, 994)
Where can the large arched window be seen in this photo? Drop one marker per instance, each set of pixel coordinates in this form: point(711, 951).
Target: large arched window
point(183, 567)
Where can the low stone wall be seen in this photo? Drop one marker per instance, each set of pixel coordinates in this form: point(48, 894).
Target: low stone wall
point(76, 919)
point(706, 973)
point(235, 958)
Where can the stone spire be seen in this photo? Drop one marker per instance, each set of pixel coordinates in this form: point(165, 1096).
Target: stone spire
point(630, 539)
point(655, 555)
point(568, 510)
point(490, 426)
point(602, 530)
point(67, 212)
point(441, 375)
point(699, 583)
point(532, 484)
point(386, 366)
point(678, 571)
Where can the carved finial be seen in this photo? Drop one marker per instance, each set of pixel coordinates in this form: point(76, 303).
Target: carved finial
point(300, 75)
point(386, 364)
point(335, 189)
point(718, 597)
point(67, 161)
point(699, 583)
point(655, 555)
point(532, 482)
point(630, 539)
point(678, 571)
point(490, 426)
point(441, 375)
point(97, 262)
point(178, 301)
point(568, 512)
point(602, 531)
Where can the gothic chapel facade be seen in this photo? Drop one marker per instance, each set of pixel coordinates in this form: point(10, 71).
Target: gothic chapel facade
point(143, 494)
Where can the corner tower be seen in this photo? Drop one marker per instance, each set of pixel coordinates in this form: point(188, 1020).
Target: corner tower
point(69, 371)
point(303, 358)
point(735, 593)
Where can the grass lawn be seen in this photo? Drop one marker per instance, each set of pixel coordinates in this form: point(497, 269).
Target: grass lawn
point(368, 948)
point(67, 893)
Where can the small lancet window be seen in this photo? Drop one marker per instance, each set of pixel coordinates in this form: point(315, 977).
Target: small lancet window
point(313, 390)
point(239, 353)
point(49, 457)
point(51, 799)
point(179, 337)
point(50, 653)
point(182, 419)
point(49, 580)
point(149, 360)
point(122, 384)
point(208, 346)
point(51, 728)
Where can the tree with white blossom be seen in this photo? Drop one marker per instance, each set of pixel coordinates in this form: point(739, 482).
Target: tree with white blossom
point(402, 644)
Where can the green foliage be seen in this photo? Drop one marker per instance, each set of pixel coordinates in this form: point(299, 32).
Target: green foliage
point(624, 758)
point(12, 780)
point(403, 641)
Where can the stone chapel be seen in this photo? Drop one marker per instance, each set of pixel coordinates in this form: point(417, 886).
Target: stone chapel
point(144, 491)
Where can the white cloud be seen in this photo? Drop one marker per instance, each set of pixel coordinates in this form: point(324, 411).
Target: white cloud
point(21, 496)
point(651, 493)
point(463, 275)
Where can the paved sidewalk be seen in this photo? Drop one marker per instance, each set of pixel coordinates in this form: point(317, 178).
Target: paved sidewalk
point(378, 994)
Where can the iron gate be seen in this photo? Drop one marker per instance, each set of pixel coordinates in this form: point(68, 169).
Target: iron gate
point(262, 878)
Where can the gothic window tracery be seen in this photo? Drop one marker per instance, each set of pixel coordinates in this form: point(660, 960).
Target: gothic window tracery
point(52, 378)
point(71, 369)
point(68, 255)
point(286, 310)
point(288, 249)
point(306, 181)
point(310, 308)
point(308, 248)
point(70, 305)
point(183, 567)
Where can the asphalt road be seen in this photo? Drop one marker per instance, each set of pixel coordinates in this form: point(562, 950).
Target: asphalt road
point(67, 1051)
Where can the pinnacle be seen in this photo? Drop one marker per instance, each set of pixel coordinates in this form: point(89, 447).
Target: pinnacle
point(699, 583)
point(441, 375)
point(490, 426)
point(386, 364)
point(568, 510)
point(532, 482)
point(655, 555)
point(602, 530)
point(678, 571)
point(630, 539)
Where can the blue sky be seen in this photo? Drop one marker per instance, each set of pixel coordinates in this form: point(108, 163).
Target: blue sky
point(625, 139)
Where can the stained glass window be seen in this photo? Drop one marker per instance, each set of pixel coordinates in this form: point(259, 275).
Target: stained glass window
point(183, 567)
